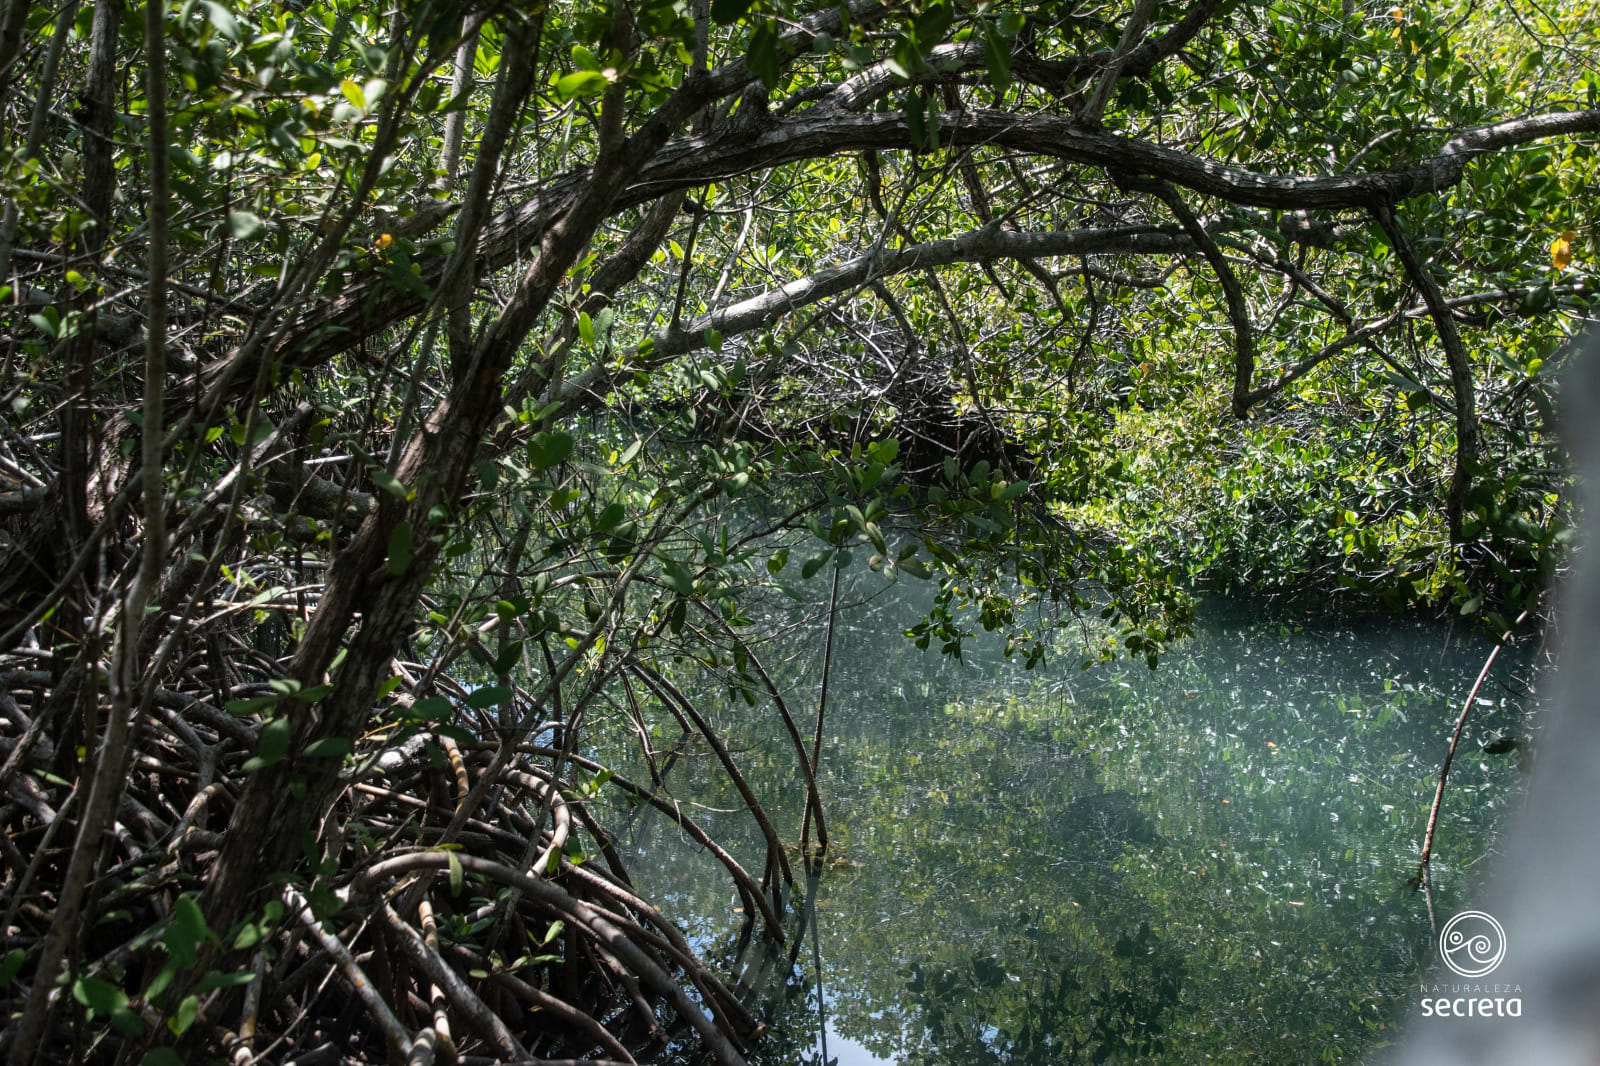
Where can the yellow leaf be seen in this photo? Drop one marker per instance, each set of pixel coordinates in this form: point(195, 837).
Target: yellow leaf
point(1561, 250)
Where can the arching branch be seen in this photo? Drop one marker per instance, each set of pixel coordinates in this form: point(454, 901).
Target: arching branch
point(1455, 354)
point(1244, 343)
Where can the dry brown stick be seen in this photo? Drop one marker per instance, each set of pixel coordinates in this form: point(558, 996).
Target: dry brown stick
point(547, 790)
point(477, 1012)
point(249, 1015)
point(1449, 757)
point(441, 1018)
point(399, 1039)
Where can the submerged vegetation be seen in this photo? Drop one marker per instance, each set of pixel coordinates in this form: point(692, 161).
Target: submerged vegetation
point(409, 409)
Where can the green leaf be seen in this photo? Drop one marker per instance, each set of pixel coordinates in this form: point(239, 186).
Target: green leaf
point(457, 874)
point(242, 225)
point(726, 11)
point(678, 576)
point(99, 995)
point(272, 745)
point(161, 1056)
point(916, 121)
point(186, 916)
point(997, 58)
point(549, 449)
point(126, 1022)
point(215, 980)
point(580, 83)
point(353, 92)
point(389, 483)
point(188, 1011)
point(931, 25)
point(400, 545)
point(329, 748)
point(184, 932)
point(10, 966)
point(762, 56)
point(1405, 383)
point(508, 657)
point(432, 708)
point(159, 983)
point(222, 19)
point(488, 696)
point(457, 734)
point(253, 705)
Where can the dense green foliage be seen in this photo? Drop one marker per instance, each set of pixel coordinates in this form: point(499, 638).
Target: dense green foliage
point(439, 372)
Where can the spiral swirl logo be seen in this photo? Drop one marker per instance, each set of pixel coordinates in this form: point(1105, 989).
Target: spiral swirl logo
point(1472, 943)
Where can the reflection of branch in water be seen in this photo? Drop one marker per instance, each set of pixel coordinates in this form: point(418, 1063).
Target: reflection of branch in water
point(813, 879)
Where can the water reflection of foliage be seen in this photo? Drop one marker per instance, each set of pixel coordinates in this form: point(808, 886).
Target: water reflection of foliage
point(1202, 863)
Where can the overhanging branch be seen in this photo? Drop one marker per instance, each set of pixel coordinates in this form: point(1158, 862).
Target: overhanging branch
point(690, 161)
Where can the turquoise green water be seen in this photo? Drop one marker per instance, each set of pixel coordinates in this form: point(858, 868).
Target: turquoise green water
point(1204, 863)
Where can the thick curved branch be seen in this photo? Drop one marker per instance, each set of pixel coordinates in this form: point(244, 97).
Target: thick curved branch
point(980, 245)
point(1244, 343)
point(696, 160)
point(1455, 353)
point(1060, 76)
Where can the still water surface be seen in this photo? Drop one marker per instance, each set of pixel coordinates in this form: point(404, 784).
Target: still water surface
point(1208, 862)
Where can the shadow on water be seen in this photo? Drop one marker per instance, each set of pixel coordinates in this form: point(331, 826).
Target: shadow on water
point(1207, 862)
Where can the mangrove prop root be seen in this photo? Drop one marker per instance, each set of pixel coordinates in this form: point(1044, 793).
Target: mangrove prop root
point(331, 962)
